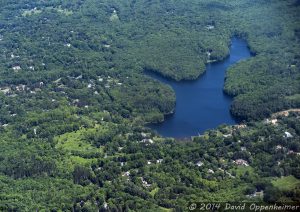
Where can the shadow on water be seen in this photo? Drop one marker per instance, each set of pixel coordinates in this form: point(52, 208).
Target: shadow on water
point(201, 104)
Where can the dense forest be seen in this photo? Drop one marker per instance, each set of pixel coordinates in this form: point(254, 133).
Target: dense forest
point(75, 103)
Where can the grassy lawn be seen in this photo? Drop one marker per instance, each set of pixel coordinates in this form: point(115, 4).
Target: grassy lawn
point(286, 183)
point(241, 170)
point(78, 148)
point(154, 191)
point(295, 97)
point(77, 142)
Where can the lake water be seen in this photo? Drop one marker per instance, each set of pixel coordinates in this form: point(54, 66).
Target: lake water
point(201, 104)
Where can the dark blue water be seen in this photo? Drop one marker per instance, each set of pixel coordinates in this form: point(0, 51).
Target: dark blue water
point(201, 104)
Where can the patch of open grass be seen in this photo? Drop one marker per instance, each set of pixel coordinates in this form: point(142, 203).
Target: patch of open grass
point(74, 141)
point(31, 12)
point(241, 170)
point(77, 141)
point(286, 183)
point(295, 97)
point(64, 11)
point(165, 209)
point(154, 191)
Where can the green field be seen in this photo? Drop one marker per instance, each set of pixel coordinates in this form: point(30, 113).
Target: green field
point(286, 183)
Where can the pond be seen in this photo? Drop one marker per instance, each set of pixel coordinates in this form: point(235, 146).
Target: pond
point(201, 104)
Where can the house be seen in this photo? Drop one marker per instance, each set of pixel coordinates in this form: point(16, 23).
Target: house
point(259, 194)
point(241, 162)
point(16, 68)
point(147, 140)
point(241, 126)
point(126, 174)
point(145, 183)
point(5, 90)
point(75, 101)
point(105, 205)
point(199, 164)
point(159, 161)
point(287, 135)
point(210, 171)
point(256, 194)
point(209, 27)
point(227, 135)
point(272, 121)
point(21, 87)
point(144, 135)
point(79, 77)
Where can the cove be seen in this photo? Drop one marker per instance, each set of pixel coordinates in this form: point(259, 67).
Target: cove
point(201, 104)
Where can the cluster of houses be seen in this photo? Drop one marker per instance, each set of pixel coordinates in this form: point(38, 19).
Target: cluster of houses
point(109, 81)
point(17, 67)
point(144, 182)
point(288, 152)
point(14, 89)
point(234, 128)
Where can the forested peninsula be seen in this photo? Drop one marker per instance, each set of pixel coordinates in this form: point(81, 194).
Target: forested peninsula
point(75, 103)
